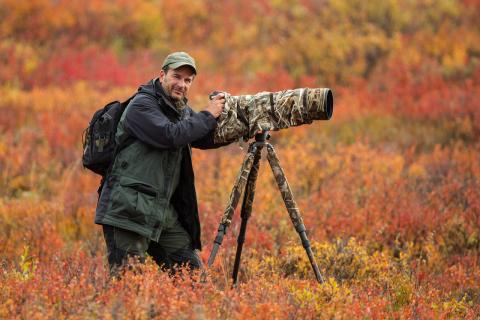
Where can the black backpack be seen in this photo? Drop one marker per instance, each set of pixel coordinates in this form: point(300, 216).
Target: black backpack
point(99, 147)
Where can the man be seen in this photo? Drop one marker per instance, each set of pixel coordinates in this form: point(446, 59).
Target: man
point(148, 202)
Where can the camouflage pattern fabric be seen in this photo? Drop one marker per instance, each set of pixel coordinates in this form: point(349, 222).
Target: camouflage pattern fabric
point(285, 189)
point(237, 189)
point(244, 115)
point(250, 187)
point(292, 208)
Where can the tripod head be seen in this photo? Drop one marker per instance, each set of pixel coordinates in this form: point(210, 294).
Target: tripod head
point(262, 136)
point(261, 139)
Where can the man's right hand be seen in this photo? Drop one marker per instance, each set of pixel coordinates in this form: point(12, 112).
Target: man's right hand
point(216, 105)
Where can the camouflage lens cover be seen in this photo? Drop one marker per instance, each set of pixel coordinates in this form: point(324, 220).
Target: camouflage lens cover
point(244, 115)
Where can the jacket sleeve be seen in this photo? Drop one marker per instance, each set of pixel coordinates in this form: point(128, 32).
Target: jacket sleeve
point(145, 121)
point(207, 141)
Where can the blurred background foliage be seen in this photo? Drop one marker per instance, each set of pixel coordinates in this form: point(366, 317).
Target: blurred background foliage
point(52, 42)
point(389, 188)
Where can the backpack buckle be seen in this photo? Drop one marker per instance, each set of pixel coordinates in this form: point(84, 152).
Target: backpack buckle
point(101, 142)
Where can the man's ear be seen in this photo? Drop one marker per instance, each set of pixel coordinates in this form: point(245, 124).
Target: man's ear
point(162, 75)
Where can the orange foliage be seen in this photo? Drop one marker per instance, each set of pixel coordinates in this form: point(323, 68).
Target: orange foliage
point(389, 189)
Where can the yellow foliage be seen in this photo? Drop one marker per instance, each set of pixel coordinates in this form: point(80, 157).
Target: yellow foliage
point(341, 260)
point(456, 308)
point(319, 296)
point(27, 264)
point(395, 174)
point(19, 183)
point(416, 171)
point(402, 291)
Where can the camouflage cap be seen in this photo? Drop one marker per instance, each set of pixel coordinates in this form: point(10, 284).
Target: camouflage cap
point(177, 59)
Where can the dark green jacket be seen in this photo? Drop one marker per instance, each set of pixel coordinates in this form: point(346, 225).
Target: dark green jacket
point(157, 141)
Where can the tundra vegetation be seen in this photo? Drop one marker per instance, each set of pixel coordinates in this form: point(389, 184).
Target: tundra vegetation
point(389, 189)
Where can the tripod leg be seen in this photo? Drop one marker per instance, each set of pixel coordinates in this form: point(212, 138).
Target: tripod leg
point(232, 203)
point(292, 208)
point(246, 210)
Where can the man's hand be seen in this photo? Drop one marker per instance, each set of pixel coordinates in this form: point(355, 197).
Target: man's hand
point(216, 105)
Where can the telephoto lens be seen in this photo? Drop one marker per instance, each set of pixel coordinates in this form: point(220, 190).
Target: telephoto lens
point(245, 115)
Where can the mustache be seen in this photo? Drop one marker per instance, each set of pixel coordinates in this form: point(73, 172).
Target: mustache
point(182, 90)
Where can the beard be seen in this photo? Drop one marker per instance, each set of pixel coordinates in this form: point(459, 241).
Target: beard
point(173, 92)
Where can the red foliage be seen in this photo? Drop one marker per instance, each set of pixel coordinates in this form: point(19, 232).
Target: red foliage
point(397, 168)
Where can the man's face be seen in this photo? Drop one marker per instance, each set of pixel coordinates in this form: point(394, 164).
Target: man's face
point(176, 82)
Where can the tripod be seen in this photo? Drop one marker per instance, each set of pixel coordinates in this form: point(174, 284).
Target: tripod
point(246, 181)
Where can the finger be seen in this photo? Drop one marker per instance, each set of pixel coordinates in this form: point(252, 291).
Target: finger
point(219, 96)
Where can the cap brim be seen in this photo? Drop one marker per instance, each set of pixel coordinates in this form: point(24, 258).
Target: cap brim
point(176, 65)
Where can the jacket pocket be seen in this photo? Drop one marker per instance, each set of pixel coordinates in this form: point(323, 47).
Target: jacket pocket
point(134, 200)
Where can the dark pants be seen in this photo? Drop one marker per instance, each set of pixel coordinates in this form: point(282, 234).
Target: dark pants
point(174, 248)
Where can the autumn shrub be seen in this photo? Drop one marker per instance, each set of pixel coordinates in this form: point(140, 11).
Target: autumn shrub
point(389, 189)
point(343, 260)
